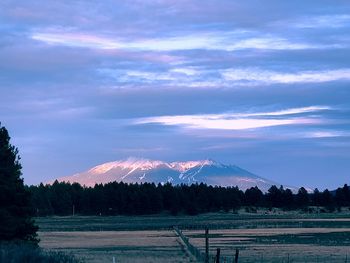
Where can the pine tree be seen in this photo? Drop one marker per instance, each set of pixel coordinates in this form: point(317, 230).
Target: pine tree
point(302, 198)
point(15, 209)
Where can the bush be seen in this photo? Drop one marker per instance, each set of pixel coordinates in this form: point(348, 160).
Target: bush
point(26, 253)
point(251, 209)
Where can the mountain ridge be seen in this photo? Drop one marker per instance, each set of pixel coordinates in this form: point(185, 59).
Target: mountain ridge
point(140, 170)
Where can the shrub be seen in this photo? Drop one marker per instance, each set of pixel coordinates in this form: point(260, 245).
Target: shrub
point(26, 253)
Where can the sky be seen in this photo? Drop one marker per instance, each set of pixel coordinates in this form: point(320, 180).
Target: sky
point(264, 85)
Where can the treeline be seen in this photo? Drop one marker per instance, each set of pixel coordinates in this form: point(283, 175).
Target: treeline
point(136, 199)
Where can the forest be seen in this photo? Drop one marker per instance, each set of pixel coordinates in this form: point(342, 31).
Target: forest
point(118, 198)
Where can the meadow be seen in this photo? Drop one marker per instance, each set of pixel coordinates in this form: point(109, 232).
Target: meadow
point(275, 236)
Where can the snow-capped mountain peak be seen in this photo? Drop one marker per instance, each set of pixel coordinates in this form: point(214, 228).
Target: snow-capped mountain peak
point(133, 163)
point(184, 166)
point(130, 163)
point(139, 170)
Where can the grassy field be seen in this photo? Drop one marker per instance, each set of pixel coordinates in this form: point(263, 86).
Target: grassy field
point(124, 246)
point(262, 237)
point(278, 244)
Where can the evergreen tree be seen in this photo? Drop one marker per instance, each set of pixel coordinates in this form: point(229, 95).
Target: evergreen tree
point(302, 198)
point(327, 200)
point(41, 200)
point(346, 194)
point(253, 196)
point(342, 196)
point(288, 199)
point(15, 208)
point(316, 198)
point(274, 196)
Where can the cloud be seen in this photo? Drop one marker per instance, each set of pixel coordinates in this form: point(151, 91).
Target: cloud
point(326, 134)
point(148, 76)
point(186, 71)
point(269, 77)
point(274, 43)
point(178, 76)
point(236, 121)
point(212, 122)
point(291, 111)
point(208, 41)
point(228, 78)
point(93, 69)
point(323, 21)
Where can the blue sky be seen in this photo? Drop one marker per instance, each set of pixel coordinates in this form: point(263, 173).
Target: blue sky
point(260, 84)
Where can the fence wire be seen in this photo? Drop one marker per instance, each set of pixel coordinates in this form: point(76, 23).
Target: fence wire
point(287, 258)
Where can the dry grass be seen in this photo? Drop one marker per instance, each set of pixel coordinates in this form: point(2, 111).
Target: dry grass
point(260, 238)
point(125, 246)
point(13, 252)
point(276, 245)
point(226, 233)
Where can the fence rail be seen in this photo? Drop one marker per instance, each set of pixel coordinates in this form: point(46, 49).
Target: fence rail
point(199, 255)
point(220, 258)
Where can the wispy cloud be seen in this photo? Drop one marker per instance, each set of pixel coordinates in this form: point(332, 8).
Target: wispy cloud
point(148, 76)
point(177, 76)
point(213, 122)
point(228, 41)
point(186, 71)
point(177, 68)
point(291, 111)
point(237, 121)
point(274, 43)
point(324, 21)
point(269, 77)
point(197, 78)
point(326, 134)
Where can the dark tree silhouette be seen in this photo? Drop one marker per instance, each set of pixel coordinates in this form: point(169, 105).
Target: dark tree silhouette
point(15, 209)
point(342, 196)
point(254, 196)
point(288, 199)
point(274, 196)
point(118, 198)
point(316, 197)
point(302, 198)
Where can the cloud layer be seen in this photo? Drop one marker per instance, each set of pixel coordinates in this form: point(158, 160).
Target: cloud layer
point(238, 121)
point(263, 86)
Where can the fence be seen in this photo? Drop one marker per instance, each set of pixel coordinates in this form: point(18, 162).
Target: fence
point(287, 258)
point(199, 255)
point(205, 257)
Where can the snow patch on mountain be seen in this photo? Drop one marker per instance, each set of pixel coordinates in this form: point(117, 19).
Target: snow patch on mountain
point(136, 170)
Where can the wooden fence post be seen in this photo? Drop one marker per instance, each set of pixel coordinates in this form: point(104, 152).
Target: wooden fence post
point(218, 255)
point(236, 255)
point(206, 245)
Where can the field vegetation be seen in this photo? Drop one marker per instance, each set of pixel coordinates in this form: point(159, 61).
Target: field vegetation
point(124, 246)
point(22, 252)
point(264, 236)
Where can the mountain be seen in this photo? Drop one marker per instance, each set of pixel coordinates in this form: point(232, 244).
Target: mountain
point(135, 170)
